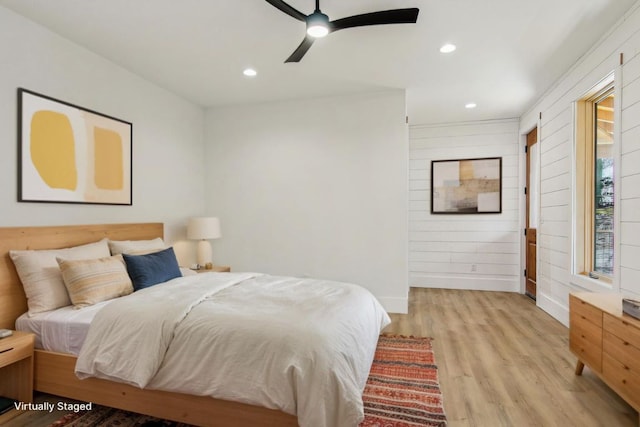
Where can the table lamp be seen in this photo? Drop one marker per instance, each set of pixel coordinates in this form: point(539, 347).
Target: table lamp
point(202, 229)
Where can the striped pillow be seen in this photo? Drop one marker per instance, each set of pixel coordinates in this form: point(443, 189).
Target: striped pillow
point(94, 280)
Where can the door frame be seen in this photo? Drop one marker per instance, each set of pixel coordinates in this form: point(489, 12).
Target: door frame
point(522, 143)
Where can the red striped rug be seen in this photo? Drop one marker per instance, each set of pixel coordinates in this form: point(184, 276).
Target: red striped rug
point(402, 391)
point(403, 388)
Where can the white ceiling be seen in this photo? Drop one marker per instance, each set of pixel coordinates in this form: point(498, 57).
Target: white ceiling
point(509, 51)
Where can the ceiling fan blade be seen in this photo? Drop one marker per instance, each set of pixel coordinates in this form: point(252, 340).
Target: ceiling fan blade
point(297, 54)
point(284, 7)
point(395, 16)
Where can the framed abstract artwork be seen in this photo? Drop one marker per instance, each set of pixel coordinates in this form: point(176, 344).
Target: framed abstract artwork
point(466, 186)
point(70, 154)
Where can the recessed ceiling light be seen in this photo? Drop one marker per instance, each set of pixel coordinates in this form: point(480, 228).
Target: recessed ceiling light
point(448, 48)
point(250, 72)
point(470, 105)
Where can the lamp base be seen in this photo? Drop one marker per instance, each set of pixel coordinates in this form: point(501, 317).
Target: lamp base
point(204, 252)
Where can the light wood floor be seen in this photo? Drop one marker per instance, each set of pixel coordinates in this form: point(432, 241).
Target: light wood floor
point(501, 362)
point(504, 362)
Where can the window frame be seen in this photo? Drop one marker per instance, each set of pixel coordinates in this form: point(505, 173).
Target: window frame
point(584, 187)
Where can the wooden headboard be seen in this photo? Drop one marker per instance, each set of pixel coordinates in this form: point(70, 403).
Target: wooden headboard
point(13, 301)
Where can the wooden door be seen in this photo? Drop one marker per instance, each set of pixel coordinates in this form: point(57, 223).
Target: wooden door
point(532, 196)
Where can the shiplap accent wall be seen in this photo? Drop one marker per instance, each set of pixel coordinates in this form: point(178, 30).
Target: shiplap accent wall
point(556, 111)
point(464, 251)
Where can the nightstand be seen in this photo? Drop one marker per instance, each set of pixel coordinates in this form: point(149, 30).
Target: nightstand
point(16, 370)
point(215, 269)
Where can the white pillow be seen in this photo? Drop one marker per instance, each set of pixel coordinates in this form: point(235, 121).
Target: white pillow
point(40, 275)
point(93, 280)
point(136, 247)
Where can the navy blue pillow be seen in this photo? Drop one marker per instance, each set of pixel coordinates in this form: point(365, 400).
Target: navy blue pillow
point(151, 269)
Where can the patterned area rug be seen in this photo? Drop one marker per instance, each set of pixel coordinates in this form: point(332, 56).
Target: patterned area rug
point(402, 391)
point(403, 388)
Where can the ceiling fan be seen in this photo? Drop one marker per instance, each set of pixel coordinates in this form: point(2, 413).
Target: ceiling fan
point(318, 24)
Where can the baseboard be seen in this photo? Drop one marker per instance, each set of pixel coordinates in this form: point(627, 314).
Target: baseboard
point(469, 283)
point(553, 308)
point(395, 305)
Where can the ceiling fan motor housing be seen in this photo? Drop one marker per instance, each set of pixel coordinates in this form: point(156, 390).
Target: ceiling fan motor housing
point(317, 24)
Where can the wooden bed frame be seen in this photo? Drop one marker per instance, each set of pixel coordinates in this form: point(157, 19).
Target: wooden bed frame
point(54, 372)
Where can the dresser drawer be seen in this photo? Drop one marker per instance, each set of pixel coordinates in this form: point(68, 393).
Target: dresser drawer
point(15, 349)
point(622, 329)
point(622, 380)
point(585, 311)
point(587, 330)
point(620, 350)
point(588, 351)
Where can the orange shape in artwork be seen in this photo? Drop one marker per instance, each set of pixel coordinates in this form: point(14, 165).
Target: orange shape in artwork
point(108, 161)
point(53, 149)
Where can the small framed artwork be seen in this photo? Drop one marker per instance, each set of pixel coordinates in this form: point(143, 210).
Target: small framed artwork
point(466, 186)
point(70, 154)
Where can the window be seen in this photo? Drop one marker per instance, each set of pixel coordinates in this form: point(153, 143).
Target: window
point(595, 171)
point(603, 186)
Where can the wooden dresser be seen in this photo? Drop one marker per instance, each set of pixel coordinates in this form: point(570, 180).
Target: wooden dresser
point(607, 341)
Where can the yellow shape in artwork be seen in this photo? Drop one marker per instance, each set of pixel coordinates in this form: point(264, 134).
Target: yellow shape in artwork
point(109, 168)
point(53, 149)
point(466, 170)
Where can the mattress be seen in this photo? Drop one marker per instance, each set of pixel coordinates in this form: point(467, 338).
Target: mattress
point(62, 330)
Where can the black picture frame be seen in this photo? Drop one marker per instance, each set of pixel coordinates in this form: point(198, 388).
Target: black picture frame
point(466, 186)
point(71, 154)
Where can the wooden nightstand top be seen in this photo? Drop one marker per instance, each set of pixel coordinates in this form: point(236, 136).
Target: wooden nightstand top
point(215, 269)
point(18, 338)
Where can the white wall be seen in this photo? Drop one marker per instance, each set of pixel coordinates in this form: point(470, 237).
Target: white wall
point(315, 188)
point(555, 278)
point(479, 252)
point(168, 171)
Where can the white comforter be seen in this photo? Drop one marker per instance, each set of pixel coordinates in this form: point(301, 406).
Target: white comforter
point(298, 345)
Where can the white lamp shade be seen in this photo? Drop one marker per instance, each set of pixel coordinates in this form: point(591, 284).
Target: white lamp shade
point(203, 228)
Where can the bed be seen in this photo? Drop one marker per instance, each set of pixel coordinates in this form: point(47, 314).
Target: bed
point(54, 371)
